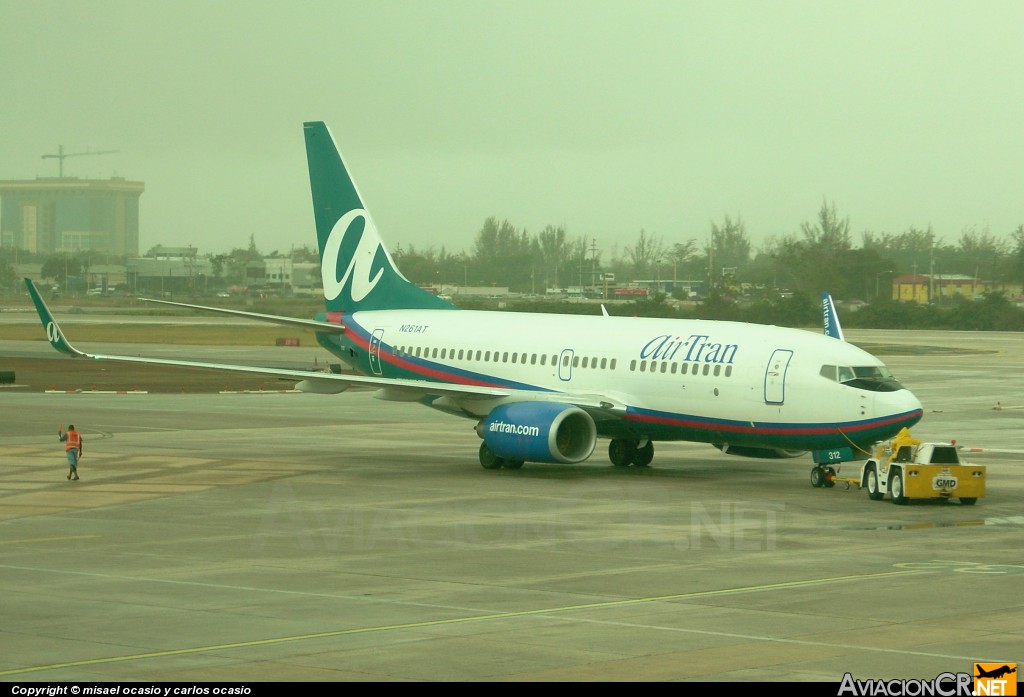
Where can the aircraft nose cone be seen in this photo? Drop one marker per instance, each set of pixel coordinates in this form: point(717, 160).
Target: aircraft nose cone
point(913, 408)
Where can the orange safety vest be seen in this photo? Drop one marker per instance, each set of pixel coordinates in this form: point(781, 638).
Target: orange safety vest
point(74, 441)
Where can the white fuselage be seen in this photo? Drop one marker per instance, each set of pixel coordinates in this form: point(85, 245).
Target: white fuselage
point(687, 379)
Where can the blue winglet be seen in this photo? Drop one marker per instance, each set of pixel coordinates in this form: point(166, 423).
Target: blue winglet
point(53, 333)
point(830, 320)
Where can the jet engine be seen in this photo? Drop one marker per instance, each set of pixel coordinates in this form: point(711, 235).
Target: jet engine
point(763, 453)
point(539, 432)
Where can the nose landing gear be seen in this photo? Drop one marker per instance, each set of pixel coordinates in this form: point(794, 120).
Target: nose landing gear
point(823, 476)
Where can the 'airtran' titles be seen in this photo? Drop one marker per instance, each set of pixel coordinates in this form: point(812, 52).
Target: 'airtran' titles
point(697, 347)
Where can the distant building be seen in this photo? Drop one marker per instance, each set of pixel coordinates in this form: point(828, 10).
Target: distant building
point(48, 216)
point(162, 252)
point(925, 288)
point(168, 274)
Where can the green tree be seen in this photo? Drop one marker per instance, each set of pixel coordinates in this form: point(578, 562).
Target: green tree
point(821, 259)
point(7, 274)
point(981, 251)
point(305, 254)
point(1017, 255)
point(505, 256)
point(730, 246)
point(60, 267)
point(553, 250)
point(645, 254)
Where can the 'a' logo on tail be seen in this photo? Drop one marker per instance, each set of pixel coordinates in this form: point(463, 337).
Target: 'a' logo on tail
point(360, 267)
point(358, 273)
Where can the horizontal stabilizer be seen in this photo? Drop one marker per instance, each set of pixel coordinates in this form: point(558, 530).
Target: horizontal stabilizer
point(313, 324)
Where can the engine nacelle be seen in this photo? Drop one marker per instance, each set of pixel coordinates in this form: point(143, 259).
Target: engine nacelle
point(763, 453)
point(321, 386)
point(539, 432)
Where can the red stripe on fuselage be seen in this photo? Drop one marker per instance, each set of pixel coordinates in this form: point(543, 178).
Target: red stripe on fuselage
point(774, 430)
point(421, 370)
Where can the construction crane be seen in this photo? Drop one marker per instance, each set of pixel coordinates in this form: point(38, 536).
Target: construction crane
point(61, 155)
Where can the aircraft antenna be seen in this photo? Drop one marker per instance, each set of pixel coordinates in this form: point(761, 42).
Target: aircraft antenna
point(60, 155)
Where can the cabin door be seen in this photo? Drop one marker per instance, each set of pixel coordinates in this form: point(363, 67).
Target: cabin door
point(375, 340)
point(565, 365)
point(775, 376)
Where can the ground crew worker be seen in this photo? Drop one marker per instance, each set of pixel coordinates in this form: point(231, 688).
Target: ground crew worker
point(72, 447)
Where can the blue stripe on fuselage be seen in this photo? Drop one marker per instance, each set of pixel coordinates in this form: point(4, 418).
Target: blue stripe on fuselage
point(432, 371)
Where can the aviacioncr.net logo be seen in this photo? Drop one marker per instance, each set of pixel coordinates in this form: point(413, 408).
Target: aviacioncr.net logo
point(360, 265)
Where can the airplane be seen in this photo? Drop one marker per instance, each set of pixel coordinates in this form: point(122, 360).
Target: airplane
point(546, 387)
point(995, 673)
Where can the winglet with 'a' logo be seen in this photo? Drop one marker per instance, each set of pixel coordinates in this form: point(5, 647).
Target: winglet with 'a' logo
point(53, 333)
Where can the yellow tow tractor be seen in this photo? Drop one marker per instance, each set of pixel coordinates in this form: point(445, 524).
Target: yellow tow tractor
point(907, 468)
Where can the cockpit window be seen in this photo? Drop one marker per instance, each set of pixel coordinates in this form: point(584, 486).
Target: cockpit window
point(874, 378)
point(877, 372)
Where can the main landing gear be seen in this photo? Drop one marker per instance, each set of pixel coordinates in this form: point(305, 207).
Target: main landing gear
point(624, 452)
point(823, 476)
point(490, 461)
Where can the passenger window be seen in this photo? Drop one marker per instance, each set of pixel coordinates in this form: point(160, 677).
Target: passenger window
point(585, 360)
point(514, 355)
point(718, 369)
point(632, 365)
point(575, 361)
point(487, 356)
point(612, 364)
point(460, 354)
point(696, 369)
point(728, 370)
point(533, 359)
point(664, 366)
point(443, 352)
point(543, 359)
point(504, 357)
point(707, 368)
point(604, 363)
point(643, 366)
point(675, 366)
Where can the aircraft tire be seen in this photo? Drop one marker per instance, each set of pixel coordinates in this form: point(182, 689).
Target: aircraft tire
point(896, 489)
point(514, 464)
point(645, 455)
point(488, 459)
point(621, 452)
point(872, 484)
point(968, 500)
point(829, 478)
point(817, 477)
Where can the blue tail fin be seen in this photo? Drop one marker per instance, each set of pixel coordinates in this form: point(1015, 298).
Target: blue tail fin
point(358, 273)
point(830, 320)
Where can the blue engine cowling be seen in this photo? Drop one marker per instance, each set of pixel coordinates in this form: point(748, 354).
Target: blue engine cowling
point(763, 453)
point(539, 432)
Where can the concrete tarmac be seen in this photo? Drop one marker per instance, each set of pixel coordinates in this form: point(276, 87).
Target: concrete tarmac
point(251, 538)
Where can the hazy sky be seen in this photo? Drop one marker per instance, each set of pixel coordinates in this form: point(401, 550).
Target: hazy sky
point(605, 117)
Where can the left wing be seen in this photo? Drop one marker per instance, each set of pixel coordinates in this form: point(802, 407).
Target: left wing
point(317, 382)
point(395, 388)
